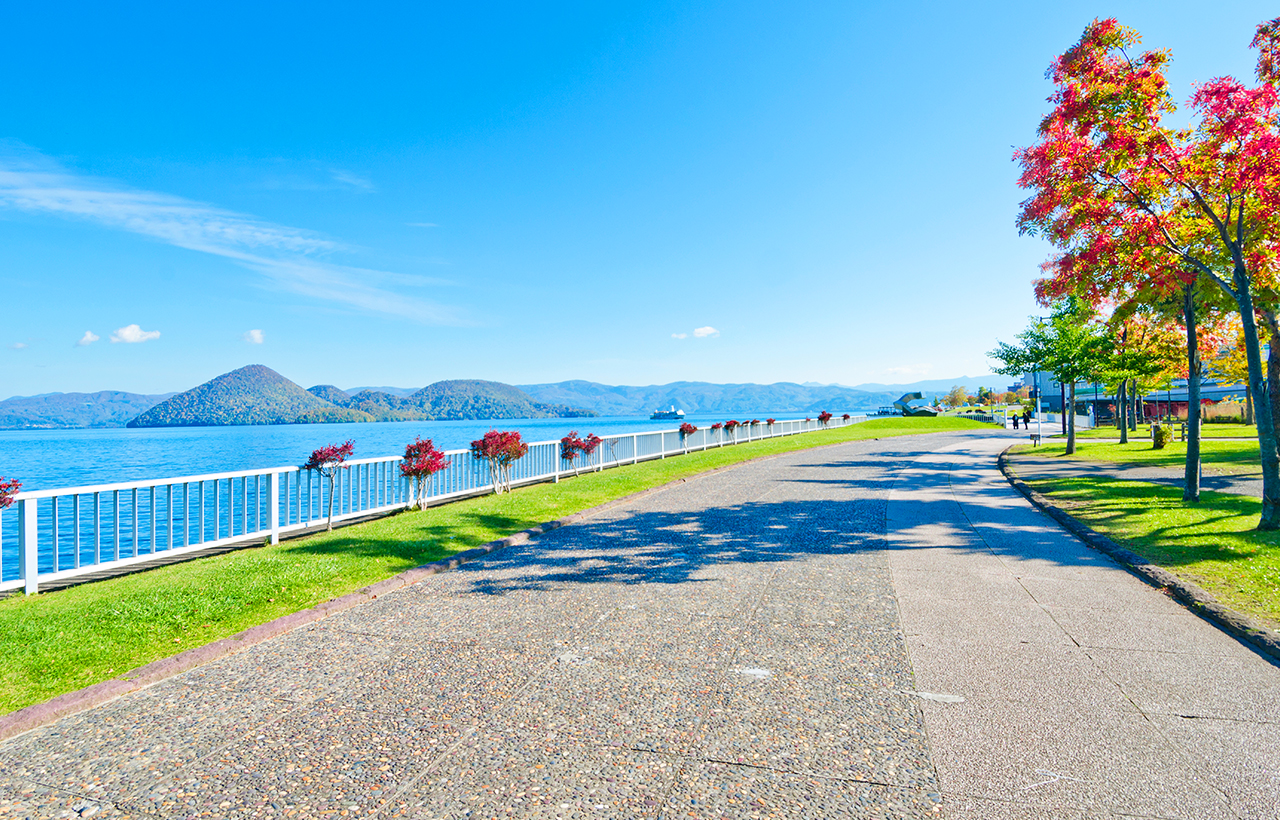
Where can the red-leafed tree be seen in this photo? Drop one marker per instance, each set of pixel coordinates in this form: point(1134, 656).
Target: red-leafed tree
point(327, 461)
point(823, 418)
point(1138, 205)
point(500, 449)
point(571, 447)
point(421, 461)
point(8, 489)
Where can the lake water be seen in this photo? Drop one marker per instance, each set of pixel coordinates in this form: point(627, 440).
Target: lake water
point(51, 459)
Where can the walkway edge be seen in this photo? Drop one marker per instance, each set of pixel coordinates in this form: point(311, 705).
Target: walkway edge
point(1236, 624)
point(38, 714)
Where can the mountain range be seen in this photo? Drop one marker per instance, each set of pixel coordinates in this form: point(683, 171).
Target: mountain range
point(258, 395)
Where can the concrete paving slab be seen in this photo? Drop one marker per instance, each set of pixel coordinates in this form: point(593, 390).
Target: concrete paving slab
point(1227, 752)
point(1170, 631)
point(712, 790)
point(316, 761)
point(1232, 687)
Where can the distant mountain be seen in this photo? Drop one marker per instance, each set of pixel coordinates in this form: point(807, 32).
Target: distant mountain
point(106, 408)
point(704, 397)
point(329, 393)
point(250, 395)
point(394, 391)
point(451, 400)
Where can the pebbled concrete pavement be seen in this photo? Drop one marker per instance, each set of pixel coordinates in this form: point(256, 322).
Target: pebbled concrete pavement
point(882, 629)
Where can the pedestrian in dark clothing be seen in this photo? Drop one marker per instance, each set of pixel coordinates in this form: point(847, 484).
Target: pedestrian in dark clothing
point(1015, 421)
point(1026, 419)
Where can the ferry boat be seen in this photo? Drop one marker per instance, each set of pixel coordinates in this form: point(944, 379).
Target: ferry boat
point(667, 415)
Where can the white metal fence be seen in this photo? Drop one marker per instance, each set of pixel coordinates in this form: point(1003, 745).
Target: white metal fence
point(51, 535)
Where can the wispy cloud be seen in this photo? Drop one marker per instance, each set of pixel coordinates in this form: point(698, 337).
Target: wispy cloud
point(18, 346)
point(350, 180)
point(254, 337)
point(132, 334)
point(909, 370)
point(87, 339)
point(704, 332)
point(287, 257)
point(679, 335)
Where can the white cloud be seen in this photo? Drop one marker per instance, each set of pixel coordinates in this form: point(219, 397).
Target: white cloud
point(88, 338)
point(285, 256)
point(132, 334)
point(351, 180)
point(679, 335)
point(909, 370)
point(704, 332)
point(254, 337)
point(18, 346)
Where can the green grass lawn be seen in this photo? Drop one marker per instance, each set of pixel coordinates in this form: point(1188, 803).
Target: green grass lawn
point(1212, 544)
point(1144, 432)
point(1228, 457)
point(60, 641)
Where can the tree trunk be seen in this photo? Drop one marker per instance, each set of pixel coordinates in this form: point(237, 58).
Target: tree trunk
point(1133, 405)
point(330, 528)
point(1270, 518)
point(1191, 484)
point(1248, 403)
point(1071, 420)
point(1122, 410)
point(1273, 368)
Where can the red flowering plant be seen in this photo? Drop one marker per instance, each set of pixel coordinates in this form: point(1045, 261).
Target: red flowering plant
point(770, 421)
point(823, 418)
point(500, 449)
point(687, 430)
point(571, 447)
point(327, 461)
point(731, 425)
point(716, 426)
point(8, 489)
point(421, 461)
point(846, 417)
point(755, 422)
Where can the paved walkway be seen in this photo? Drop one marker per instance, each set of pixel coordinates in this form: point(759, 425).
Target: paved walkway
point(882, 629)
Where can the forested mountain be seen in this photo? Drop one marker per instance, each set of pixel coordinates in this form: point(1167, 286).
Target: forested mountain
point(451, 400)
point(105, 408)
point(250, 395)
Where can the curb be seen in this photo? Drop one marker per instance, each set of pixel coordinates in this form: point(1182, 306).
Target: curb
point(38, 714)
point(1236, 624)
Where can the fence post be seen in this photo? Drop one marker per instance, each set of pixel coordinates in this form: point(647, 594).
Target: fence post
point(555, 464)
point(27, 543)
point(274, 503)
point(635, 448)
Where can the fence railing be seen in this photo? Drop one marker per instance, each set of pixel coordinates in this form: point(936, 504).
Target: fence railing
point(52, 535)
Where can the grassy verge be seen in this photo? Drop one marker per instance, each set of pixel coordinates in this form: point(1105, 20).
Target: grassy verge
point(1206, 431)
point(61, 641)
point(1212, 544)
point(1228, 457)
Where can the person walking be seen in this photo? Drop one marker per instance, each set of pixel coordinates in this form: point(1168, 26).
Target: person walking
point(1015, 421)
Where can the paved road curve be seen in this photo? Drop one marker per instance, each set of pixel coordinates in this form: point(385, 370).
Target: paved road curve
point(880, 629)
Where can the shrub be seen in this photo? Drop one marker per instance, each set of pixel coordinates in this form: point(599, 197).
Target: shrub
point(755, 422)
point(846, 417)
point(421, 461)
point(1160, 435)
point(8, 489)
point(327, 461)
point(687, 430)
point(716, 426)
point(730, 426)
point(770, 421)
point(571, 447)
point(500, 449)
point(823, 418)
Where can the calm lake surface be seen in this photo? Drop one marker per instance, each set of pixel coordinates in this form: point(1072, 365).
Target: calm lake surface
point(51, 459)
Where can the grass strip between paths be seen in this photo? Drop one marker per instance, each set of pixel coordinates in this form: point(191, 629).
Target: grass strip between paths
point(1228, 457)
point(1143, 433)
point(62, 641)
point(1212, 544)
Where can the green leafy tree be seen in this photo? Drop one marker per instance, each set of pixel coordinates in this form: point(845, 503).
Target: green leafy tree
point(1070, 346)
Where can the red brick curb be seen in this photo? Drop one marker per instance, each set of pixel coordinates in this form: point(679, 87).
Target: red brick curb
point(1236, 624)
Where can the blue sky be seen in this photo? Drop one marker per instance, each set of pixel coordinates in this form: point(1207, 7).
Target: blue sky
point(627, 193)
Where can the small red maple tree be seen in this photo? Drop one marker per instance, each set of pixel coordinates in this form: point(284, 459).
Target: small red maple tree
point(571, 447)
point(8, 489)
point(421, 461)
point(500, 449)
point(327, 461)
